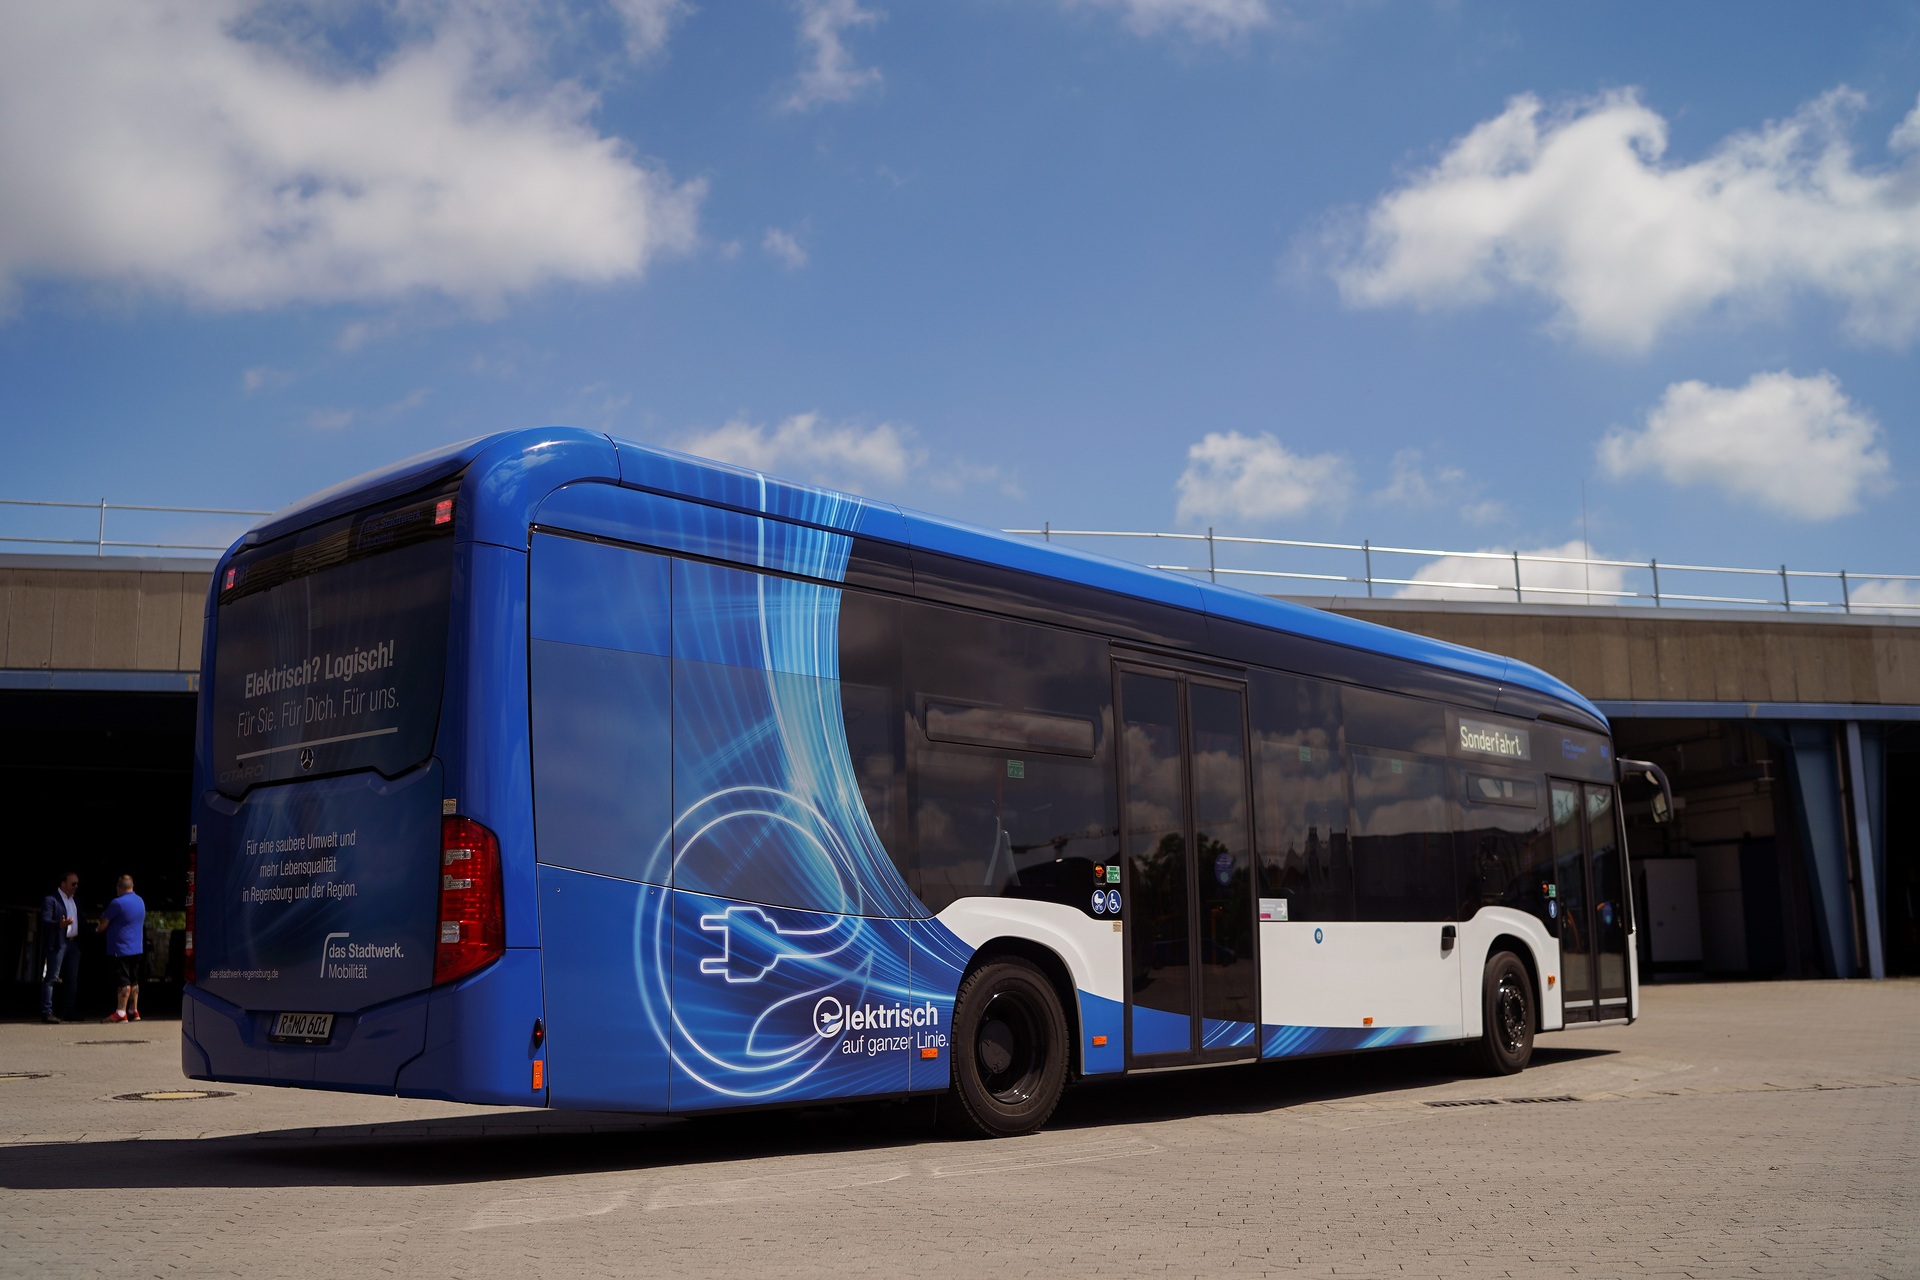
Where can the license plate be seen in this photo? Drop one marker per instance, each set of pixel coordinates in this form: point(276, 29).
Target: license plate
point(302, 1028)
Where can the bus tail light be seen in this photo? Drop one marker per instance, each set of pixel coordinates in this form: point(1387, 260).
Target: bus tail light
point(473, 929)
point(193, 875)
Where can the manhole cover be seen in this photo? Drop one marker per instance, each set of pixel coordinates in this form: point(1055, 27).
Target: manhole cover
point(172, 1095)
point(24, 1075)
point(1466, 1102)
point(113, 1042)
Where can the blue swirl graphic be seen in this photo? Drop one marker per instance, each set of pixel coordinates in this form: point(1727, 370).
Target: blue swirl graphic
point(790, 959)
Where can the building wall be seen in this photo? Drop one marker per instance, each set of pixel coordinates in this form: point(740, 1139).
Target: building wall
point(64, 613)
point(1640, 655)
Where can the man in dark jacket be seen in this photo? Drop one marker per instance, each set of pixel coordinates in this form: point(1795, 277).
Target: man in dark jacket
point(60, 947)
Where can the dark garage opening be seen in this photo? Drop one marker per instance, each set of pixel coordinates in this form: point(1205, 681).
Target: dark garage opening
point(98, 783)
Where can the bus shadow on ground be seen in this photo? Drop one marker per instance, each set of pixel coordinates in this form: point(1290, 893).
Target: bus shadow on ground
point(529, 1144)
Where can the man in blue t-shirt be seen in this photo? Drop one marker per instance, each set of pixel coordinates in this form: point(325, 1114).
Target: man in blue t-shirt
point(125, 924)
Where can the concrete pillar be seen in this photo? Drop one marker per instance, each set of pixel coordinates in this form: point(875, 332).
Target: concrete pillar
point(1863, 852)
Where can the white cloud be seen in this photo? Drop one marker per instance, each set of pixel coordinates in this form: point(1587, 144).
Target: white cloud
point(331, 419)
point(1409, 484)
point(194, 148)
point(807, 448)
point(830, 74)
point(1882, 595)
point(1231, 476)
point(1580, 206)
point(883, 460)
point(1413, 486)
point(649, 22)
point(341, 419)
point(1449, 577)
point(1217, 20)
point(783, 246)
point(262, 376)
point(1798, 446)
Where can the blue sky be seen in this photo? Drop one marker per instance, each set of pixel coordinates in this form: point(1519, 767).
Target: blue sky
point(1418, 273)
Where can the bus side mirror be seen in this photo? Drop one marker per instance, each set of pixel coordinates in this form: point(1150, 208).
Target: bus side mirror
point(1647, 773)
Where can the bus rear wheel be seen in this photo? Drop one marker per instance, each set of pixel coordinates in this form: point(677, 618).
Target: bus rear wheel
point(1009, 1052)
point(1507, 1017)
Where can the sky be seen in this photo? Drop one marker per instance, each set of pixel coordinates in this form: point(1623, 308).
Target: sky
point(1638, 278)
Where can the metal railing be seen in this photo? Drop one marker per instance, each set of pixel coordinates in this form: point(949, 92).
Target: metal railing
point(1617, 575)
point(100, 542)
point(1849, 584)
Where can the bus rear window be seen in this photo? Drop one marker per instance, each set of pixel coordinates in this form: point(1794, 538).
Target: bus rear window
point(330, 647)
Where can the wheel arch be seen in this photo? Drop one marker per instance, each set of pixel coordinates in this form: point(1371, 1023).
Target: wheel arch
point(1524, 951)
point(1058, 976)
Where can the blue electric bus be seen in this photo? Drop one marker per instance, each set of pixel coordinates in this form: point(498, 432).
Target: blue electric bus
point(550, 769)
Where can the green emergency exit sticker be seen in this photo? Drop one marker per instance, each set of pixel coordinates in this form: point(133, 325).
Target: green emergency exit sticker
point(1306, 753)
point(1113, 875)
point(1016, 768)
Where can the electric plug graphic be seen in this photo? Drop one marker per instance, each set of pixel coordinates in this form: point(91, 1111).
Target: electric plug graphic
point(751, 943)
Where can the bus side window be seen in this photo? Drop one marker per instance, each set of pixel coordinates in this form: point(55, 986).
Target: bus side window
point(1394, 721)
point(1300, 796)
point(1504, 845)
point(871, 710)
point(1010, 757)
point(599, 685)
point(1402, 839)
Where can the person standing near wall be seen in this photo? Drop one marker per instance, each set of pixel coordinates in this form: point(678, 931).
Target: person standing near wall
point(125, 924)
point(60, 947)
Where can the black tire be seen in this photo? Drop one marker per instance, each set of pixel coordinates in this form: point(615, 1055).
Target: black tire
point(1009, 1052)
point(1508, 1016)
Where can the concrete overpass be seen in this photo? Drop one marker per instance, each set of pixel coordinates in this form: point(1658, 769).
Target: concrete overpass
point(1793, 740)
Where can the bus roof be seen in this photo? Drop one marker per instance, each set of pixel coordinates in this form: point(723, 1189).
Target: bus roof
point(511, 472)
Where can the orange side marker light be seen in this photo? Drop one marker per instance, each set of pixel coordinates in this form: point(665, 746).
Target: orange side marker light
point(1366, 1022)
point(539, 1073)
point(1550, 981)
point(929, 1052)
point(1099, 1041)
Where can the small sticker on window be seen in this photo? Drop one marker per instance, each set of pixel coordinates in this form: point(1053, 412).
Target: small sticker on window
point(1306, 753)
point(1113, 875)
point(1016, 768)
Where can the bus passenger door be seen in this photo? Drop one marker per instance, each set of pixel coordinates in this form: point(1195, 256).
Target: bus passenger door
point(1590, 908)
point(1192, 975)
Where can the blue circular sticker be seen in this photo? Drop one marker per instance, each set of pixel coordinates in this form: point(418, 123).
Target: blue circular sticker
point(1099, 903)
point(1317, 935)
point(1113, 902)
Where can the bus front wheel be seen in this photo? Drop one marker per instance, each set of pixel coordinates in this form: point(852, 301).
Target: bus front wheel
point(1507, 1016)
point(1009, 1051)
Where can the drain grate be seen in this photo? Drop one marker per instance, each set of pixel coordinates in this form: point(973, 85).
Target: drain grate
point(24, 1075)
point(113, 1042)
point(1496, 1102)
point(172, 1095)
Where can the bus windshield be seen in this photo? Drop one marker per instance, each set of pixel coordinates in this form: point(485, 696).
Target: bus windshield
point(332, 647)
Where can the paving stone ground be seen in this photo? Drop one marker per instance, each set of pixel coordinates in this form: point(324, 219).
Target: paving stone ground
point(1768, 1129)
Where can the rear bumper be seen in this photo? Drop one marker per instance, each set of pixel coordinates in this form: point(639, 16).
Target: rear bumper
point(221, 1041)
point(468, 1042)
